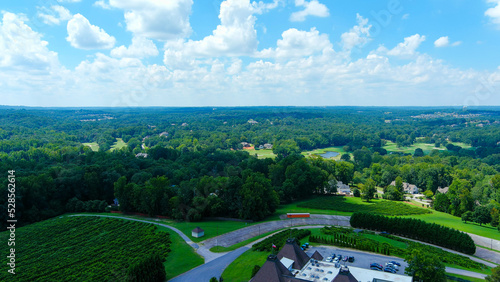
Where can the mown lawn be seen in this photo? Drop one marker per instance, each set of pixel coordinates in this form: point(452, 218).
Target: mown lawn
point(182, 258)
point(261, 154)
point(472, 279)
point(118, 144)
point(94, 146)
point(337, 149)
point(241, 268)
point(456, 222)
point(427, 148)
point(212, 228)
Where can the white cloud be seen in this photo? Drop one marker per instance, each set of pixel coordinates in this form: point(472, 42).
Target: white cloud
point(298, 43)
point(102, 4)
point(69, 1)
point(444, 41)
point(234, 36)
point(21, 47)
point(408, 47)
point(311, 8)
point(494, 12)
point(405, 16)
point(140, 48)
point(156, 19)
point(83, 35)
point(358, 35)
point(55, 15)
point(261, 7)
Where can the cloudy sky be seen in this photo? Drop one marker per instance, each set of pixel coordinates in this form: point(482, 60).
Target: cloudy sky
point(241, 53)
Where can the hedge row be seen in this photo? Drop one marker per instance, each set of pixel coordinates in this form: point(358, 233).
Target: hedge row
point(416, 229)
point(280, 238)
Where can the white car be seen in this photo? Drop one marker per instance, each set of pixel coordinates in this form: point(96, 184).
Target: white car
point(393, 266)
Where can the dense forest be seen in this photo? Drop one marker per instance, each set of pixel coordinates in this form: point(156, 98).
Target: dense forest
point(189, 163)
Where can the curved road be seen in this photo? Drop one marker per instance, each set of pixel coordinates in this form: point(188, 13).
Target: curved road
point(215, 263)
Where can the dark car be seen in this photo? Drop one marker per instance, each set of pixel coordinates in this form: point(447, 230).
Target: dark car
point(376, 265)
point(395, 262)
point(340, 257)
point(351, 259)
point(375, 268)
point(345, 258)
point(390, 269)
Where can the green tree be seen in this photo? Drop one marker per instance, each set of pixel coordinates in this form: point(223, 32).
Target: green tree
point(418, 152)
point(286, 148)
point(362, 157)
point(368, 190)
point(345, 157)
point(467, 216)
point(495, 275)
point(424, 266)
point(258, 198)
point(495, 217)
point(481, 215)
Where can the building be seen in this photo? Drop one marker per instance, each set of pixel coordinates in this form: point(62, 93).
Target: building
point(268, 146)
point(443, 190)
point(343, 188)
point(144, 155)
point(408, 188)
point(198, 232)
point(292, 264)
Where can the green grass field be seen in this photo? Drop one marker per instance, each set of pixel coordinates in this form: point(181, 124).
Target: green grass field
point(456, 222)
point(427, 148)
point(472, 279)
point(182, 258)
point(118, 144)
point(241, 268)
point(212, 228)
point(261, 154)
point(337, 149)
point(94, 146)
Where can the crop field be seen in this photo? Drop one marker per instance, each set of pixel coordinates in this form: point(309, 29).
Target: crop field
point(94, 146)
point(82, 249)
point(118, 144)
point(350, 204)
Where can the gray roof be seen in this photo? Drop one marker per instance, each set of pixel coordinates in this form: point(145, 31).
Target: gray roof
point(291, 250)
point(198, 230)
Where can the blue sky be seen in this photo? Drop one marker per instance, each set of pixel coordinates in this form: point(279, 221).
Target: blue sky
point(241, 53)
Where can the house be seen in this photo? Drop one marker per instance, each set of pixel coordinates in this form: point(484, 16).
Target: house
point(245, 144)
point(407, 187)
point(251, 121)
point(144, 155)
point(198, 232)
point(164, 133)
point(343, 188)
point(443, 190)
point(268, 146)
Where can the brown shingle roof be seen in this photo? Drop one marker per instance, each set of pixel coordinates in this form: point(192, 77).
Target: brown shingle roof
point(344, 276)
point(291, 250)
point(198, 230)
point(272, 271)
point(317, 256)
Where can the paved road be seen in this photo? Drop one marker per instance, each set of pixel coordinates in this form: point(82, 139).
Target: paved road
point(485, 242)
point(211, 269)
point(243, 234)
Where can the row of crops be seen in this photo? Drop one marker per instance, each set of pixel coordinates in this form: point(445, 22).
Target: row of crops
point(390, 208)
point(83, 249)
point(279, 239)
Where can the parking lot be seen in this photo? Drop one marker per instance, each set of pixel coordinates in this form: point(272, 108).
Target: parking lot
point(361, 259)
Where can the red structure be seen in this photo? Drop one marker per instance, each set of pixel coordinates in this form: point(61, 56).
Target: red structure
point(297, 215)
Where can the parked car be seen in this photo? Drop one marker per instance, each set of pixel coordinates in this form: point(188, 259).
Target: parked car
point(345, 258)
point(351, 259)
point(390, 269)
point(376, 265)
point(375, 268)
point(335, 260)
point(395, 263)
point(391, 265)
point(329, 259)
point(340, 257)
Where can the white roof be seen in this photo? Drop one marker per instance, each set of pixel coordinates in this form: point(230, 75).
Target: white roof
point(287, 262)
